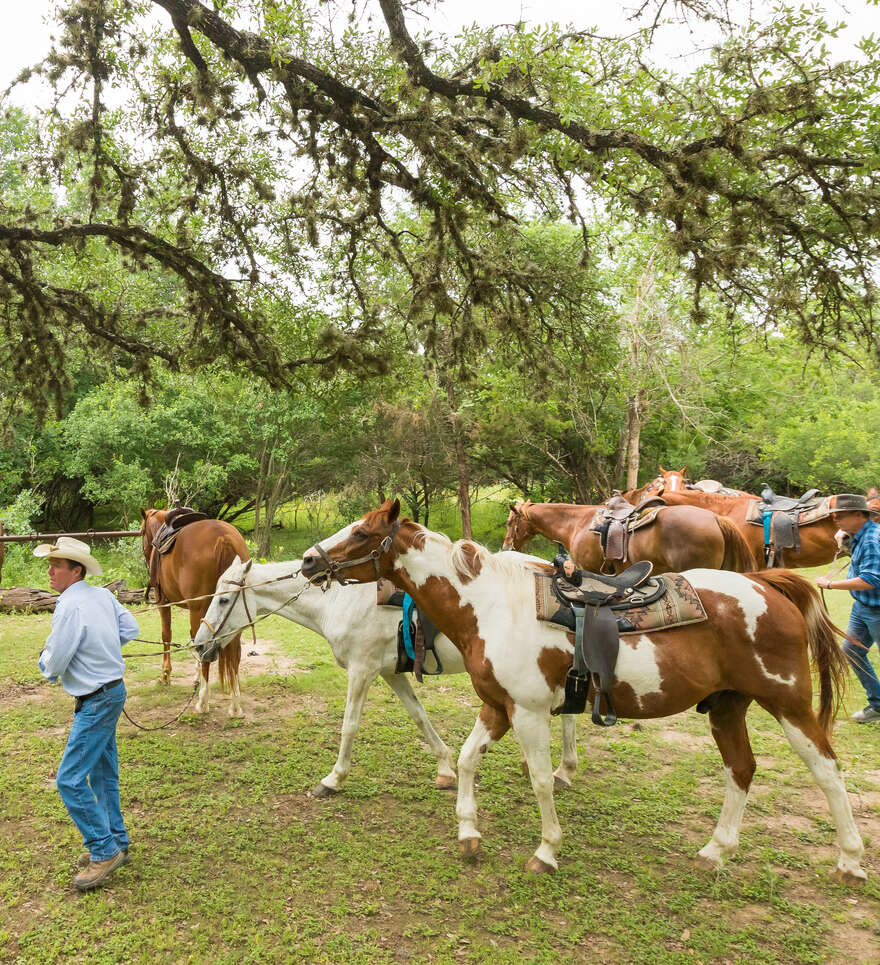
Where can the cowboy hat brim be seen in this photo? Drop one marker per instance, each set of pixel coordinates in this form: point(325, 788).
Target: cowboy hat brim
point(67, 552)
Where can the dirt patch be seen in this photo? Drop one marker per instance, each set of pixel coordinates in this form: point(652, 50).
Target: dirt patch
point(691, 742)
point(14, 694)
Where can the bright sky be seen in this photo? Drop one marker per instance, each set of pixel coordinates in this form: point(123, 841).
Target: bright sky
point(25, 37)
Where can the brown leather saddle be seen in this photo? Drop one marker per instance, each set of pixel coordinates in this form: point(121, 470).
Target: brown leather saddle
point(619, 520)
point(166, 536)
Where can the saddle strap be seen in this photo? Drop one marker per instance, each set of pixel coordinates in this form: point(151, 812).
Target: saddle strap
point(595, 652)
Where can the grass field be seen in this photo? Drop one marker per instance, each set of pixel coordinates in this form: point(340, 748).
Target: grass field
point(234, 861)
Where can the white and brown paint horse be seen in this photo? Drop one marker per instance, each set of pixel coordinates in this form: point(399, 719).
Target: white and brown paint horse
point(680, 538)
point(761, 635)
point(363, 638)
point(818, 544)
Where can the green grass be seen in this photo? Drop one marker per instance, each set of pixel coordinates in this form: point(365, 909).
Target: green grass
point(234, 861)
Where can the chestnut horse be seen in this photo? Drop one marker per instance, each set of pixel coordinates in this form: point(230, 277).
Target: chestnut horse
point(680, 538)
point(762, 633)
point(201, 553)
point(818, 544)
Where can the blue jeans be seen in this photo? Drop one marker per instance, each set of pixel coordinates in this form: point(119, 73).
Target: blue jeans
point(864, 626)
point(88, 775)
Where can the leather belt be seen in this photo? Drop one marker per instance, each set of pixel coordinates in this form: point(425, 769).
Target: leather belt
point(108, 686)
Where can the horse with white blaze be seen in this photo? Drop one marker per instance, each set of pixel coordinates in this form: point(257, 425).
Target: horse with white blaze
point(363, 638)
point(761, 634)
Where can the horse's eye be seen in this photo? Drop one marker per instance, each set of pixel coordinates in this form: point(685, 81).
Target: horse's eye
point(359, 534)
point(224, 600)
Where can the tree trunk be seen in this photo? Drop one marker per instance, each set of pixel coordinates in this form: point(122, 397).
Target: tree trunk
point(634, 413)
point(464, 495)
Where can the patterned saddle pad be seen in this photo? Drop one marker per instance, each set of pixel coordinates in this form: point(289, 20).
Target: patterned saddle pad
point(677, 607)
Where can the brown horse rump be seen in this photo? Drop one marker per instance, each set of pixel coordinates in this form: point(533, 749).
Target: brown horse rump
point(677, 607)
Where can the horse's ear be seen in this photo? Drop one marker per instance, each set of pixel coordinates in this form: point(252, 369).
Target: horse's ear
point(394, 511)
point(662, 469)
point(513, 508)
point(144, 513)
point(683, 473)
point(247, 566)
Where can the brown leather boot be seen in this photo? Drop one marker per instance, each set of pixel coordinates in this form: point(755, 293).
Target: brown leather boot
point(97, 871)
point(85, 858)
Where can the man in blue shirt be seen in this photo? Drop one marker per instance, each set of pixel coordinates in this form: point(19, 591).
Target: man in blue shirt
point(851, 513)
point(83, 652)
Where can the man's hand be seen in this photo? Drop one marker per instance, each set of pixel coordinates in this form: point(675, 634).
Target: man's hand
point(568, 568)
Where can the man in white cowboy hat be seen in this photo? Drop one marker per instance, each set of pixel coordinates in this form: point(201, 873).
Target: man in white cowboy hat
point(852, 514)
point(83, 651)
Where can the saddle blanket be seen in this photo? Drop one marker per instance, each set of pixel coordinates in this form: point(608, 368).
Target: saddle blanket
point(679, 606)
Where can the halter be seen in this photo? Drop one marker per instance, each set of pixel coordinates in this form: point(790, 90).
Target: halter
point(519, 518)
point(335, 568)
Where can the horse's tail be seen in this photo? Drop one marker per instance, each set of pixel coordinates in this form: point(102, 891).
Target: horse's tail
point(225, 551)
point(737, 553)
point(826, 655)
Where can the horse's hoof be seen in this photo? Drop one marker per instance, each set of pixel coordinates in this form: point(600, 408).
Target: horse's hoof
point(322, 790)
point(469, 848)
point(561, 785)
point(524, 767)
point(850, 878)
point(710, 859)
point(446, 782)
point(163, 681)
point(539, 867)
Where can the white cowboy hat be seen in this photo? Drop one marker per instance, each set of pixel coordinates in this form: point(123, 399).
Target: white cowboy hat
point(68, 548)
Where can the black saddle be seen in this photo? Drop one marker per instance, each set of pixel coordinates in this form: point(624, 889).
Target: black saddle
point(771, 503)
point(599, 589)
point(591, 600)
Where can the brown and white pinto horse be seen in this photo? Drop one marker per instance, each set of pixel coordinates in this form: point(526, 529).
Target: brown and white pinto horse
point(757, 645)
point(202, 552)
point(818, 544)
point(680, 538)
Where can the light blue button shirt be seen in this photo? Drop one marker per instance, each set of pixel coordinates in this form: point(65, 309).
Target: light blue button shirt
point(84, 649)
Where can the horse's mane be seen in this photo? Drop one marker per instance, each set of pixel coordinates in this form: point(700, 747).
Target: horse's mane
point(469, 558)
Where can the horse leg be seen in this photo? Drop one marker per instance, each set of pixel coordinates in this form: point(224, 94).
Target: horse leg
point(809, 740)
point(532, 729)
point(400, 684)
point(564, 774)
point(203, 700)
point(359, 681)
point(229, 663)
point(727, 717)
point(490, 727)
point(165, 617)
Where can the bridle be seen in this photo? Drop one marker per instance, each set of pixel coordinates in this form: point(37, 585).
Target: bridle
point(242, 584)
point(334, 568)
point(519, 517)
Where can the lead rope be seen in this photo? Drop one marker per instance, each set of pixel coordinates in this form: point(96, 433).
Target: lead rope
point(832, 574)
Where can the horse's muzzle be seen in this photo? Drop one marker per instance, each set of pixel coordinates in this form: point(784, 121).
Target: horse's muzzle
point(313, 565)
point(207, 652)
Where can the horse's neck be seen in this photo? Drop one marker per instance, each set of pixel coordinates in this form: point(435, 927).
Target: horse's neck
point(559, 521)
point(313, 609)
